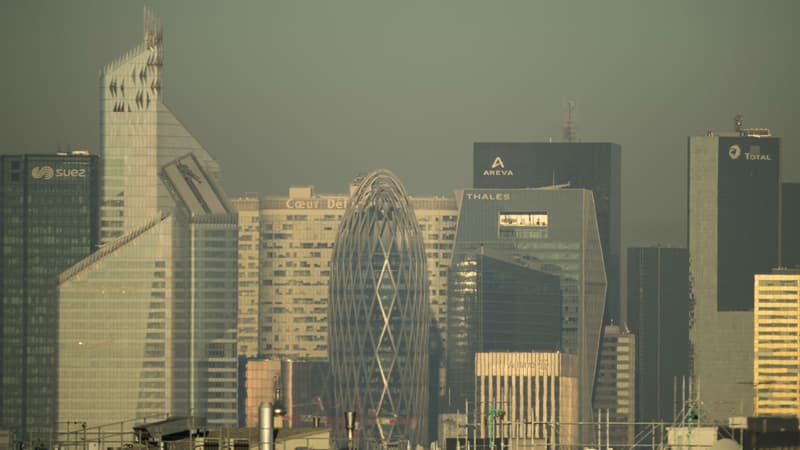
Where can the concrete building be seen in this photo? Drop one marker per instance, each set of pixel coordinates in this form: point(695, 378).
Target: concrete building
point(297, 237)
point(596, 166)
point(557, 229)
point(380, 316)
point(658, 315)
point(249, 275)
point(48, 221)
point(147, 324)
point(615, 391)
point(776, 343)
point(733, 235)
point(537, 392)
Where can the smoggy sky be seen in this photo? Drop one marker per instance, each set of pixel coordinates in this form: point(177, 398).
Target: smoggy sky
point(301, 92)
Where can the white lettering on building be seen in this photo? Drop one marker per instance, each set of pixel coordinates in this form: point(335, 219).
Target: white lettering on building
point(502, 196)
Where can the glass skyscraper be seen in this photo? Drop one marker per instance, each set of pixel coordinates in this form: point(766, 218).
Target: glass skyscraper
point(596, 166)
point(379, 316)
point(497, 303)
point(138, 135)
point(556, 229)
point(147, 325)
point(658, 315)
point(49, 208)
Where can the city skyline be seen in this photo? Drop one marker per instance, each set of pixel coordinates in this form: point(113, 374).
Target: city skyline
point(427, 83)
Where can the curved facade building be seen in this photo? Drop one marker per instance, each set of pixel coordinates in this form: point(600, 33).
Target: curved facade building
point(379, 316)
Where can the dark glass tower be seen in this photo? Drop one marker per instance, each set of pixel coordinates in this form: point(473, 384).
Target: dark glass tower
point(557, 230)
point(379, 316)
point(596, 166)
point(497, 303)
point(733, 235)
point(49, 210)
point(790, 224)
point(658, 315)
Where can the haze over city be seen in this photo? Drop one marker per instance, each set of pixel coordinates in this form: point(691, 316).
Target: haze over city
point(411, 225)
point(293, 93)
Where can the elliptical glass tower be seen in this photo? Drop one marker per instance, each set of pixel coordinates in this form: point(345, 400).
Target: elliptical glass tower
point(379, 316)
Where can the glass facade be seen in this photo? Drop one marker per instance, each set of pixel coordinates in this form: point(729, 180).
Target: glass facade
point(380, 317)
point(148, 322)
point(138, 135)
point(596, 166)
point(49, 207)
point(570, 249)
point(790, 225)
point(733, 234)
point(658, 315)
point(499, 304)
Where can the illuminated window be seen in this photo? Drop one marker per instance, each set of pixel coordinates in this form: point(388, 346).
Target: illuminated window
point(523, 225)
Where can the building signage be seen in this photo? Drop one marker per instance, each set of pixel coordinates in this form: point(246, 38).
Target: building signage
point(754, 153)
point(48, 173)
point(498, 169)
point(316, 203)
point(501, 196)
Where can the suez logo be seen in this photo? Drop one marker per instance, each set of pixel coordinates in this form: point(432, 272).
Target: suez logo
point(498, 169)
point(754, 153)
point(48, 173)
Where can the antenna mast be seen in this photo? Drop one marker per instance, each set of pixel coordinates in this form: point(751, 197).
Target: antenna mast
point(569, 132)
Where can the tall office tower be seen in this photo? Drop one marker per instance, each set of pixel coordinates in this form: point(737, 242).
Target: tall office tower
point(776, 343)
point(790, 225)
point(379, 315)
point(147, 324)
point(556, 228)
point(615, 392)
point(658, 315)
point(249, 279)
point(497, 303)
point(733, 235)
point(535, 391)
point(596, 166)
point(48, 220)
point(138, 135)
point(297, 237)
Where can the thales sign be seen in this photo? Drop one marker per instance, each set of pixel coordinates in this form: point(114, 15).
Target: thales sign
point(498, 169)
point(48, 173)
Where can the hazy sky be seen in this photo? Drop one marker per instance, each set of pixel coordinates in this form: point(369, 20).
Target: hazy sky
point(301, 92)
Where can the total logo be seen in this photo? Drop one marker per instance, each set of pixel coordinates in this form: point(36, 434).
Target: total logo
point(498, 169)
point(48, 173)
point(734, 151)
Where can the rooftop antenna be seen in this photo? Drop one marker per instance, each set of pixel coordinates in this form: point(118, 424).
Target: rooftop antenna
point(569, 131)
point(738, 121)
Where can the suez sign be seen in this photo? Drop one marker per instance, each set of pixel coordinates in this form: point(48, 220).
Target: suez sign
point(754, 153)
point(48, 173)
point(498, 169)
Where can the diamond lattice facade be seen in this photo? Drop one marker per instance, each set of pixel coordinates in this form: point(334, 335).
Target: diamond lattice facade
point(379, 315)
